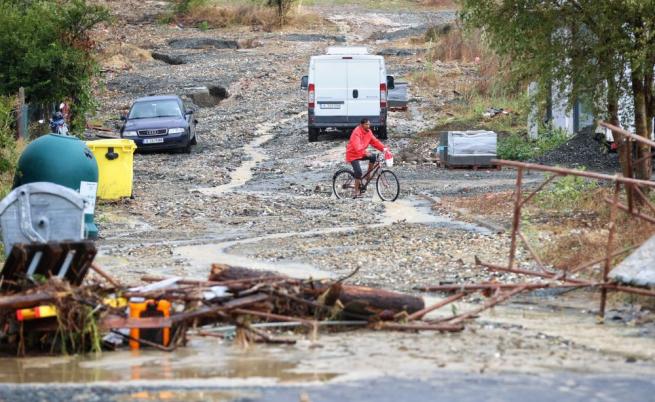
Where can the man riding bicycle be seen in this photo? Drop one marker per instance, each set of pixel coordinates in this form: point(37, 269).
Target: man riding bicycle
point(356, 150)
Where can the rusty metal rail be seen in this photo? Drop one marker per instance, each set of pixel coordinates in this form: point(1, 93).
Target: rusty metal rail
point(501, 292)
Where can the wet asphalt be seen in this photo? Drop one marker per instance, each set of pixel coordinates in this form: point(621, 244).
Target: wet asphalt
point(453, 387)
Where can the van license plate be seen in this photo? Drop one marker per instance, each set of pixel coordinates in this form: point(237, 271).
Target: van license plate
point(153, 140)
point(330, 106)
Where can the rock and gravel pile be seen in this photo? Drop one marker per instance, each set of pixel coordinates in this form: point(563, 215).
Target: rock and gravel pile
point(582, 150)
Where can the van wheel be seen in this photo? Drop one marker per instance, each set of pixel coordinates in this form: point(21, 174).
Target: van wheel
point(312, 135)
point(381, 132)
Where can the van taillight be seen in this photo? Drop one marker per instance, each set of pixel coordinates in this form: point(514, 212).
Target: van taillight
point(383, 95)
point(311, 94)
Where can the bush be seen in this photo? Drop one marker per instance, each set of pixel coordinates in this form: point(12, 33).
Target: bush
point(263, 14)
point(515, 147)
point(45, 48)
point(203, 26)
point(185, 6)
point(566, 192)
point(520, 147)
point(451, 43)
point(8, 153)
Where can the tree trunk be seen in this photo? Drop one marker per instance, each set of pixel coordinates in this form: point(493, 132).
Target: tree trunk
point(369, 301)
point(644, 168)
point(624, 147)
point(355, 299)
point(222, 272)
point(650, 98)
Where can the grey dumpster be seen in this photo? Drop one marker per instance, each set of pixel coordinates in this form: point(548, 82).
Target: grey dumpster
point(41, 212)
point(470, 148)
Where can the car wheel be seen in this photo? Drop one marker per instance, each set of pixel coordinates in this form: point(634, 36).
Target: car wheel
point(194, 140)
point(381, 133)
point(187, 148)
point(312, 134)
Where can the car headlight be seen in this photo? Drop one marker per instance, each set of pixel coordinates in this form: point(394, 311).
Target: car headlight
point(129, 134)
point(176, 130)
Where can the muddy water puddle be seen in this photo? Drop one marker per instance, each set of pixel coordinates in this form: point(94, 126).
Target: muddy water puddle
point(507, 339)
point(413, 210)
point(202, 359)
point(202, 256)
point(187, 395)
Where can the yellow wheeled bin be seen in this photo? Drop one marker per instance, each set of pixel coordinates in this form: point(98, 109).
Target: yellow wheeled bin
point(115, 171)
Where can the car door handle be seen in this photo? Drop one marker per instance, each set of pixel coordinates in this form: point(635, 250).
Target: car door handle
point(355, 93)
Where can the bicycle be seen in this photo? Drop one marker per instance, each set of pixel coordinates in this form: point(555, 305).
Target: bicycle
point(386, 185)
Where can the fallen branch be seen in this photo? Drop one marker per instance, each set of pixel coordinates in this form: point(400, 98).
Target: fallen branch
point(489, 304)
point(146, 342)
point(288, 324)
point(419, 314)
point(494, 267)
point(30, 300)
point(419, 327)
point(267, 338)
point(96, 268)
point(209, 283)
point(493, 286)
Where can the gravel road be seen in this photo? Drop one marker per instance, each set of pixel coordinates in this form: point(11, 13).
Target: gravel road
point(255, 190)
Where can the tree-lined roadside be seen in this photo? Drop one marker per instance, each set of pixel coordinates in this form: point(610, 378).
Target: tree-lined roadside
point(598, 50)
point(46, 47)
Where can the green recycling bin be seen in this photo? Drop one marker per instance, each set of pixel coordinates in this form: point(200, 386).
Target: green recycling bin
point(63, 160)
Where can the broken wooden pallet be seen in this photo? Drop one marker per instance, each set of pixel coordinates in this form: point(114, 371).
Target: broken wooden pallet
point(69, 261)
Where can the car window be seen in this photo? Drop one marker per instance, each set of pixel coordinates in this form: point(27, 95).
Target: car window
point(160, 108)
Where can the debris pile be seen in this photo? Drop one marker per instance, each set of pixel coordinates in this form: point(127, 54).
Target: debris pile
point(49, 313)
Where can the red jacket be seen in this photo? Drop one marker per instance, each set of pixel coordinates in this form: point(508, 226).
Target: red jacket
point(360, 139)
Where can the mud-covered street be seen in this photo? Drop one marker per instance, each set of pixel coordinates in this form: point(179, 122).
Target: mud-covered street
point(254, 192)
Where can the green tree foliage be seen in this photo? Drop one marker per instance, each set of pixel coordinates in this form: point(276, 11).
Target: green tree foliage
point(7, 144)
point(45, 47)
point(600, 48)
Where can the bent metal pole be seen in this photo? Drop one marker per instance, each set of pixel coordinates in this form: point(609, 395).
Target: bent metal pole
point(516, 220)
point(573, 172)
point(628, 134)
point(610, 248)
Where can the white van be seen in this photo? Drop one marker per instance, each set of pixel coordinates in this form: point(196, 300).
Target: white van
point(344, 86)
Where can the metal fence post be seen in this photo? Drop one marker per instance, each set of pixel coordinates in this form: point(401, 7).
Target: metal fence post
point(22, 115)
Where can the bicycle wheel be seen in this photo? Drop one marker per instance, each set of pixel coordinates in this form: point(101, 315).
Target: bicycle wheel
point(343, 183)
point(387, 186)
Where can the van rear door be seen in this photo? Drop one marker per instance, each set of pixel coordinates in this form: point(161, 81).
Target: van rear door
point(363, 88)
point(331, 83)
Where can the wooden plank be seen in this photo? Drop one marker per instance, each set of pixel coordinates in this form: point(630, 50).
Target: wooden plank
point(29, 300)
point(114, 321)
point(16, 262)
point(51, 261)
point(85, 254)
point(49, 264)
point(232, 304)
